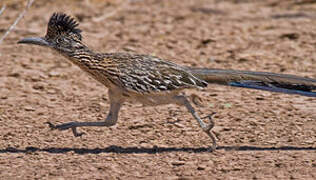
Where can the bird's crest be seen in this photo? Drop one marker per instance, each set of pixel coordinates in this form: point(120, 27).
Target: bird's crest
point(62, 24)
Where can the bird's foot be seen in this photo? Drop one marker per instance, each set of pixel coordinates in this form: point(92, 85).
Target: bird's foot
point(211, 124)
point(65, 126)
point(208, 130)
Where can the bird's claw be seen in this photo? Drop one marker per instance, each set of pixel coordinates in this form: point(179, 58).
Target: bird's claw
point(76, 134)
point(65, 126)
point(208, 131)
point(51, 125)
point(211, 122)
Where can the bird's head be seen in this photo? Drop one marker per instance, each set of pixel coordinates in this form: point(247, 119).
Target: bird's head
point(62, 34)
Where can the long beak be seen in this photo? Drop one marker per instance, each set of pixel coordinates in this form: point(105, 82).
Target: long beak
point(34, 40)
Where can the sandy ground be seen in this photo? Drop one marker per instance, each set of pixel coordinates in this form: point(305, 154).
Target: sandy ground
point(262, 135)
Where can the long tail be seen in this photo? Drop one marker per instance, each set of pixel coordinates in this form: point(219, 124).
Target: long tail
point(282, 83)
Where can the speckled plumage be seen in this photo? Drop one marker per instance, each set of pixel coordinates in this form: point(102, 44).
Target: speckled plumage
point(138, 73)
point(129, 77)
point(151, 80)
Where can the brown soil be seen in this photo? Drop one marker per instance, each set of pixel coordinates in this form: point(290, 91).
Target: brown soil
point(262, 135)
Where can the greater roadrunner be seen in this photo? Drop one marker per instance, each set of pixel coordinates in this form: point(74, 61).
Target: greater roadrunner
point(150, 80)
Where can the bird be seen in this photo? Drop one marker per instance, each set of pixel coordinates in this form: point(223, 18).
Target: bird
point(151, 80)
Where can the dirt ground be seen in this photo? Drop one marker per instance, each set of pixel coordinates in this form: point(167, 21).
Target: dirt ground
point(262, 135)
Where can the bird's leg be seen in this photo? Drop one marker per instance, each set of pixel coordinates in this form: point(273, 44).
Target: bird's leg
point(110, 120)
point(182, 100)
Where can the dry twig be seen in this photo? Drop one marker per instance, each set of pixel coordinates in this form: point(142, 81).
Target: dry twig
point(108, 15)
point(2, 9)
point(29, 3)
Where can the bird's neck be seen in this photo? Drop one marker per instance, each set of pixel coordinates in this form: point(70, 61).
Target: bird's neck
point(81, 56)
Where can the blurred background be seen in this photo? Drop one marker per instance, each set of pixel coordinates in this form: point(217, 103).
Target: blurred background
point(276, 132)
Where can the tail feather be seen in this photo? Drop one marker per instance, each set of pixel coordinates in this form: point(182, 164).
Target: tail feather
point(282, 83)
point(252, 85)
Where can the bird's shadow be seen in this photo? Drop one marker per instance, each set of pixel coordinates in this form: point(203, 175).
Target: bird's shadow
point(153, 150)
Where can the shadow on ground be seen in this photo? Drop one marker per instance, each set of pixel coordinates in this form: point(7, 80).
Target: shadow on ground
point(153, 150)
